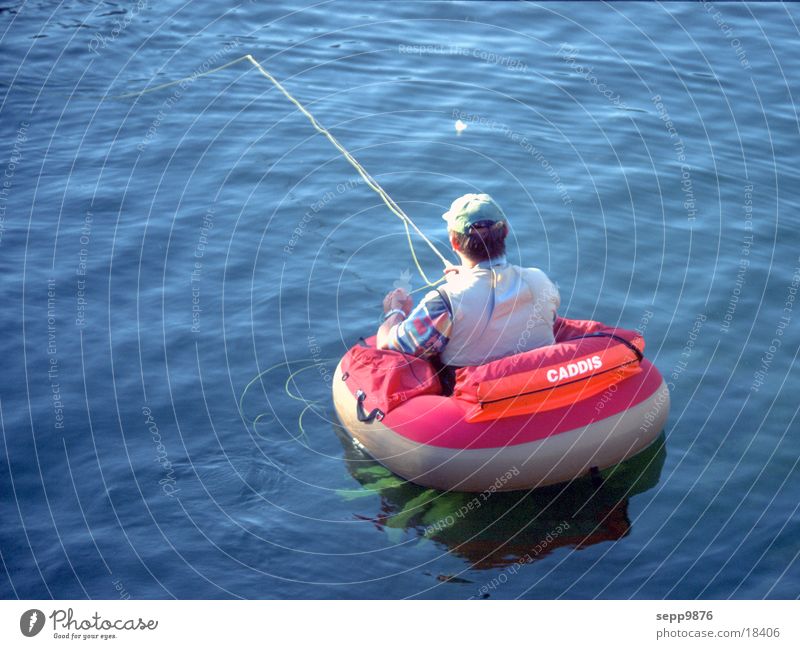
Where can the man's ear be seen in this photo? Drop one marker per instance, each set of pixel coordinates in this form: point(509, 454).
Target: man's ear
point(453, 240)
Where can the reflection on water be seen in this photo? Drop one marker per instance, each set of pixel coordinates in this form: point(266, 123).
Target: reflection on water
point(491, 530)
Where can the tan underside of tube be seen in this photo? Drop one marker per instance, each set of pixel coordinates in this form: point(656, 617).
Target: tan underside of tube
point(551, 460)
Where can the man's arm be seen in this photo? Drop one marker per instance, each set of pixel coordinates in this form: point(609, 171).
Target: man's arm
point(424, 332)
point(396, 306)
point(384, 331)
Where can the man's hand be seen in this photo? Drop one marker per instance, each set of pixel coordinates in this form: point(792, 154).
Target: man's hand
point(398, 299)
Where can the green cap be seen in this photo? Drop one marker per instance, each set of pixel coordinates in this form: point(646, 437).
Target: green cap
point(469, 209)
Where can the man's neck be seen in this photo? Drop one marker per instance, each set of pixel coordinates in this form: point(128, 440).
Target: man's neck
point(466, 262)
point(469, 263)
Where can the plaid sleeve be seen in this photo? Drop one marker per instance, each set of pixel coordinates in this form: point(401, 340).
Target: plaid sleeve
point(426, 330)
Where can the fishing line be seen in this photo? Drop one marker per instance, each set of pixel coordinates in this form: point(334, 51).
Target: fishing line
point(408, 224)
point(371, 182)
point(309, 404)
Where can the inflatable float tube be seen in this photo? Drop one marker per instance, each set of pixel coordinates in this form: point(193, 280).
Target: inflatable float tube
point(546, 416)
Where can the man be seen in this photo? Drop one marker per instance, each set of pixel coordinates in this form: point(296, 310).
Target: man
point(487, 309)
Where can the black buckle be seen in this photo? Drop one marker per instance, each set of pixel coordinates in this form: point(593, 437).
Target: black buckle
point(362, 415)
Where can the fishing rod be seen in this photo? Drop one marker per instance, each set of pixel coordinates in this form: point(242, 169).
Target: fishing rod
point(371, 182)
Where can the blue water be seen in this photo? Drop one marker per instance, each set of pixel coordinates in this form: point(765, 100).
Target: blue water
point(159, 252)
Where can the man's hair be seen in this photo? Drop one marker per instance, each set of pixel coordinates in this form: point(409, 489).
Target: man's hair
point(481, 244)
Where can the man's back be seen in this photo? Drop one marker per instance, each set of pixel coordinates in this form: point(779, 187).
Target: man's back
point(492, 310)
point(498, 309)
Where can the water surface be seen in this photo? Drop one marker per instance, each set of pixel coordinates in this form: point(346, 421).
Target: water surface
point(160, 252)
